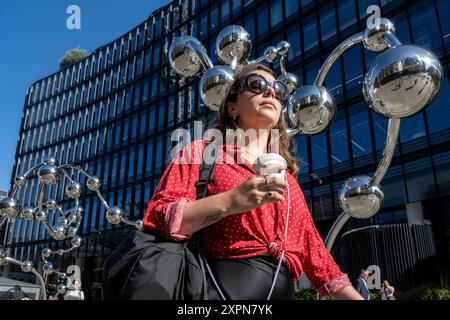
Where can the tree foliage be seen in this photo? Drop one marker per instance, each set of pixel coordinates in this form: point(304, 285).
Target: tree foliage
point(72, 56)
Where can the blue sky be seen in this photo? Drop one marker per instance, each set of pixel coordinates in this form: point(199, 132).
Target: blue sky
point(35, 37)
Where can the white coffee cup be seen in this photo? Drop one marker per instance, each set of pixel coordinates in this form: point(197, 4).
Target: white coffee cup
point(271, 165)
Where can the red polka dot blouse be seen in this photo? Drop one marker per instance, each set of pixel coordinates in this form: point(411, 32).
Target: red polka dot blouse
point(248, 234)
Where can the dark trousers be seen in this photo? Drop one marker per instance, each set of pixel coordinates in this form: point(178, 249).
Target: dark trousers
point(249, 279)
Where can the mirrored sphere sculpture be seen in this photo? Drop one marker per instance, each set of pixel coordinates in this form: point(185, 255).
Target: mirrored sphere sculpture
point(360, 200)
point(402, 81)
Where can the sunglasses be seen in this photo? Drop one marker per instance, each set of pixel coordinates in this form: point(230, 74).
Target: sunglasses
point(256, 83)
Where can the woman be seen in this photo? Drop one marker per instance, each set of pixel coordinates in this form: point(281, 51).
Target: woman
point(75, 292)
point(242, 217)
point(387, 291)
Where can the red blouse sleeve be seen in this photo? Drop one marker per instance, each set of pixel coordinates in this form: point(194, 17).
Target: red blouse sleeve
point(317, 262)
point(176, 187)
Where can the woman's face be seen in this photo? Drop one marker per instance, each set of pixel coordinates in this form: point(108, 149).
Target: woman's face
point(257, 111)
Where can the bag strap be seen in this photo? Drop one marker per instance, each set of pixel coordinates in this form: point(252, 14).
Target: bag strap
point(206, 171)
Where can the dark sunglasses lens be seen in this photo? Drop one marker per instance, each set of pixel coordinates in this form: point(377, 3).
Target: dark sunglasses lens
point(257, 84)
point(280, 90)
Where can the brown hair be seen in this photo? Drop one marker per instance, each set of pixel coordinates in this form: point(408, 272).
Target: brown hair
point(225, 121)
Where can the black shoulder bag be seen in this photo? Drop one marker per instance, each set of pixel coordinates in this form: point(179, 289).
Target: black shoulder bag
point(147, 267)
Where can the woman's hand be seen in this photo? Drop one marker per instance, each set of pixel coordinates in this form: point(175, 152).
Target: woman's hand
point(255, 192)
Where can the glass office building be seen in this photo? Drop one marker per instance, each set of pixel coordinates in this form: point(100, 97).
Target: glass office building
point(112, 113)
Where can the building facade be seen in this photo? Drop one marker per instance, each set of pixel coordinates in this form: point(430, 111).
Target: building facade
point(112, 113)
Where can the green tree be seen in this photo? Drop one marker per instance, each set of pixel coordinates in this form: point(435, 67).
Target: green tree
point(72, 56)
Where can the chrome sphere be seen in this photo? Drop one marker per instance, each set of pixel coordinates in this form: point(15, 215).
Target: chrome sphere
point(314, 109)
point(27, 266)
point(215, 85)
point(79, 212)
point(139, 224)
point(72, 217)
point(283, 48)
point(27, 213)
point(270, 54)
point(233, 44)
point(358, 200)
point(94, 183)
point(10, 207)
point(114, 215)
point(46, 252)
point(40, 215)
point(74, 190)
point(61, 288)
point(186, 56)
point(48, 268)
point(51, 204)
point(62, 275)
point(59, 233)
point(20, 181)
point(76, 242)
point(402, 81)
point(374, 39)
point(72, 232)
point(48, 174)
point(51, 161)
point(291, 81)
point(63, 222)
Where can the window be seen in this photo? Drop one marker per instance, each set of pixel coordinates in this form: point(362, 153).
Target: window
point(419, 180)
point(156, 55)
point(347, 13)
point(130, 70)
point(425, 31)
point(339, 142)
point(140, 162)
point(159, 154)
point(439, 110)
point(302, 153)
point(263, 17)
point(380, 125)
point(147, 60)
point(203, 25)
point(149, 161)
point(442, 167)
point(360, 134)
point(294, 41)
point(327, 23)
point(137, 95)
point(131, 165)
point(161, 115)
point(145, 92)
point(444, 6)
point(236, 7)
point(353, 67)
point(394, 187)
point(276, 12)
point(138, 65)
point(291, 7)
point(118, 135)
point(249, 25)
point(134, 128)
point(151, 121)
point(225, 11)
point(214, 18)
point(412, 128)
point(310, 34)
point(319, 151)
